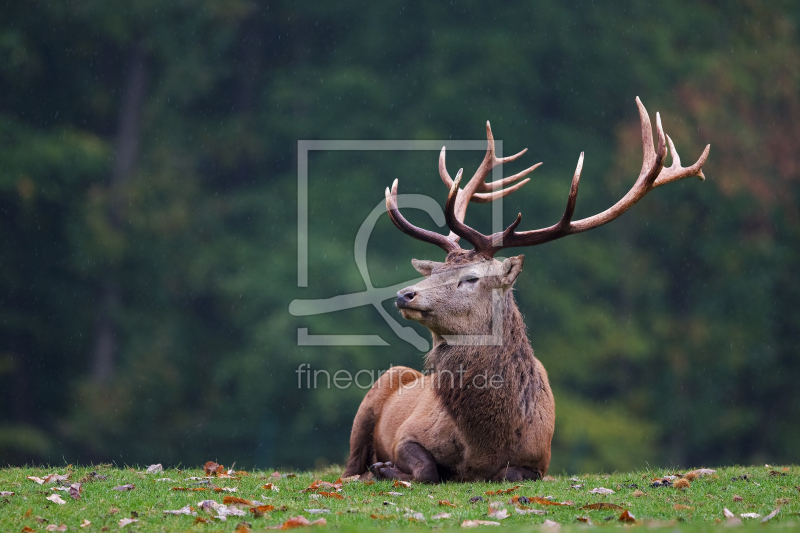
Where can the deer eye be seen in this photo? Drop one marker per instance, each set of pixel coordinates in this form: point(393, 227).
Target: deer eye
point(471, 278)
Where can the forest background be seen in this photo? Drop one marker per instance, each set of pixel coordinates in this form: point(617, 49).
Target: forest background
point(148, 219)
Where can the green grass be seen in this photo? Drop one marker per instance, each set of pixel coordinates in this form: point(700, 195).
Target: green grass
point(104, 507)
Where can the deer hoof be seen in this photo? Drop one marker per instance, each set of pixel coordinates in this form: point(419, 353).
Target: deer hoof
point(385, 470)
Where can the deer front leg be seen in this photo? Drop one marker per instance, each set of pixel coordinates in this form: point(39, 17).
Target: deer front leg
point(516, 473)
point(413, 462)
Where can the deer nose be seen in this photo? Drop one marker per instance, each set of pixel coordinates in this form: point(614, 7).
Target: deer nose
point(405, 296)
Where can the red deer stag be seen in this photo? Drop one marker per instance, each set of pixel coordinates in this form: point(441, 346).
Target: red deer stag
point(485, 411)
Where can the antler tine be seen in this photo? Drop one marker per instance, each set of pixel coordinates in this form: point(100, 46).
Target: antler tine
point(457, 227)
point(406, 227)
point(676, 172)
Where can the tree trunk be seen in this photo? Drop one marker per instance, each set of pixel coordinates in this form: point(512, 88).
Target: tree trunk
point(125, 154)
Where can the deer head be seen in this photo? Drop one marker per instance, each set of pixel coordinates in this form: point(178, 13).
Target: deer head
point(455, 298)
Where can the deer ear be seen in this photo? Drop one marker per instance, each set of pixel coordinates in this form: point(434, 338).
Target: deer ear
point(424, 267)
point(511, 269)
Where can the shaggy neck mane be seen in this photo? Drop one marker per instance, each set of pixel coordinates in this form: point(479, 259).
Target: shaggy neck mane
point(463, 377)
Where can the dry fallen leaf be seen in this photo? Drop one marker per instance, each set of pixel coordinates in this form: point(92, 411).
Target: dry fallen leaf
point(585, 520)
point(440, 516)
point(124, 488)
point(681, 484)
point(113, 510)
point(627, 517)
point(528, 510)
point(394, 493)
point(679, 507)
point(299, 521)
point(637, 493)
point(4, 493)
point(700, 472)
point(213, 469)
point(233, 500)
point(502, 491)
point(727, 513)
point(75, 491)
point(476, 523)
point(401, 483)
point(155, 469)
point(55, 498)
point(499, 514)
point(750, 515)
point(601, 490)
point(771, 515)
point(85, 523)
point(446, 503)
point(125, 521)
point(53, 527)
point(737, 498)
point(242, 527)
point(331, 495)
point(551, 524)
point(543, 501)
point(602, 505)
point(27, 529)
point(384, 516)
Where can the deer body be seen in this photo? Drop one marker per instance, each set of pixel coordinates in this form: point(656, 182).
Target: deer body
point(485, 411)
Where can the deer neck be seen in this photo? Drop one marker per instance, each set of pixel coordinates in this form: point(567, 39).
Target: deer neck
point(488, 389)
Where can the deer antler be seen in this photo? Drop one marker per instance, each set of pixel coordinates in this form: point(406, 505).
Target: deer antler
point(650, 177)
point(477, 190)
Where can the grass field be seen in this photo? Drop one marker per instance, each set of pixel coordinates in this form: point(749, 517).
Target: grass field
point(695, 504)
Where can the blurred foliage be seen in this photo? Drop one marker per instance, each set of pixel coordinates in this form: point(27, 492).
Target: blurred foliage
point(669, 336)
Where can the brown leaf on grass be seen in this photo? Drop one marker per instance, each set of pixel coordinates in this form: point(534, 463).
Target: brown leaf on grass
point(53, 527)
point(602, 505)
point(269, 486)
point(585, 520)
point(446, 503)
point(318, 485)
point(737, 498)
point(190, 489)
point(331, 495)
point(75, 491)
point(260, 510)
point(502, 491)
point(154, 469)
point(113, 510)
point(299, 521)
point(627, 517)
point(679, 507)
point(233, 500)
point(601, 490)
point(382, 516)
point(400, 483)
point(4, 493)
point(200, 520)
point(27, 529)
point(28, 512)
point(242, 527)
point(682, 483)
point(637, 493)
point(51, 478)
point(527, 510)
point(55, 498)
point(545, 501)
point(125, 488)
point(550, 524)
point(85, 523)
point(499, 514)
point(476, 523)
point(700, 472)
point(126, 521)
point(41, 520)
point(213, 469)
